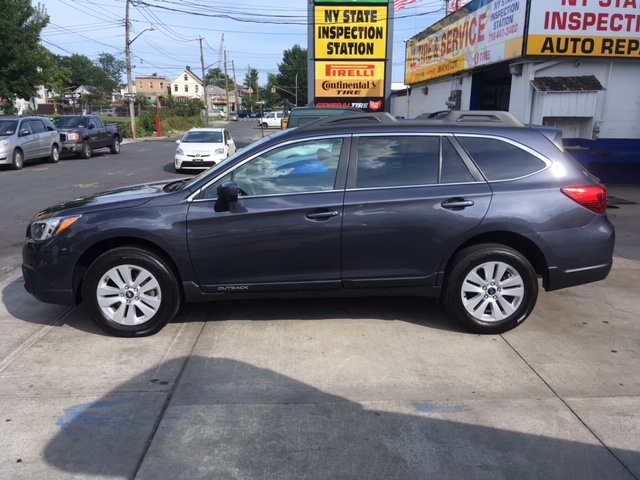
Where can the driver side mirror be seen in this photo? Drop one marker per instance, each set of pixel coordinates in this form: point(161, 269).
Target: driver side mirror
point(227, 193)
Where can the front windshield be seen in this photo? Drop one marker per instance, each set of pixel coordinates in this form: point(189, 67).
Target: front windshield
point(8, 127)
point(217, 169)
point(202, 137)
point(70, 122)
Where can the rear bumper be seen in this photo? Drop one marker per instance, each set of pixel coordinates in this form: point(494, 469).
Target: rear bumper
point(579, 255)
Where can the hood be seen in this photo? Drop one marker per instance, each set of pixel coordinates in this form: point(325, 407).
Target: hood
point(125, 197)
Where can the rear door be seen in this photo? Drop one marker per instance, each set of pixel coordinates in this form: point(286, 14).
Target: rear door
point(409, 200)
point(284, 232)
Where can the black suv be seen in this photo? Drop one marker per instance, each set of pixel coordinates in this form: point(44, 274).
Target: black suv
point(467, 207)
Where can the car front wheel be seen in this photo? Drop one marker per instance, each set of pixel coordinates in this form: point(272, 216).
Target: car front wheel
point(130, 292)
point(490, 288)
point(86, 150)
point(17, 160)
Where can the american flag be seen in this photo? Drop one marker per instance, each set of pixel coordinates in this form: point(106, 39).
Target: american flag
point(400, 4)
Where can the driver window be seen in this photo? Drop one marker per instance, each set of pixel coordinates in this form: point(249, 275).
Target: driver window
point(301, 167)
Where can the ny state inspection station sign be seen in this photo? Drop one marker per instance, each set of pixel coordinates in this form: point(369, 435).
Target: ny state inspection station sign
point(350, 46)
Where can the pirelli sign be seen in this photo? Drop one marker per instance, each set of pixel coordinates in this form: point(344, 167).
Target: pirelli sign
point(361, 79)
point(350, 45)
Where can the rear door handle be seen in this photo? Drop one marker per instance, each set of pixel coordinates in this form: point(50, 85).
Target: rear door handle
point(456, 203)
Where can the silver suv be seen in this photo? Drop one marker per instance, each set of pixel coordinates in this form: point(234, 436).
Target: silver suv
point(27, 138)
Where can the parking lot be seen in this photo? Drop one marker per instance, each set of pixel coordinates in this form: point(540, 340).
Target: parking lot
point(330, 388)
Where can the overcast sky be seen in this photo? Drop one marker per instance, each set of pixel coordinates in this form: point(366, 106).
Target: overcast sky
point(256, 32)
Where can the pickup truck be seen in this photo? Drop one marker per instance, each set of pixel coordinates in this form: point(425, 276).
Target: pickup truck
point(81, 134)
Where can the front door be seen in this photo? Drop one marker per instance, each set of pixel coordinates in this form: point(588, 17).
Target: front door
point(284, 231)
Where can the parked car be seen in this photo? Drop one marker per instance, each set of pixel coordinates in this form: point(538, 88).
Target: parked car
point(203, 147)
point(243, 114)
point(233, 116)
point(271, 120)
point(302, 115)
point(82, 134)
point(471, 209)
point(254, 114)
point(27, 138)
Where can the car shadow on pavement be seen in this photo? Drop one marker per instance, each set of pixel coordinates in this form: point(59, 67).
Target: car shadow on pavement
point(421, 311)
point(217, 418)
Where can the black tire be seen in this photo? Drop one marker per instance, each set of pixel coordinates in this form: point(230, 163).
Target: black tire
point(265, 125)
point(86, 150)
point(17, 159)
point(115, 146)
point(130, 292)
point(54, 156)
point(489, 288)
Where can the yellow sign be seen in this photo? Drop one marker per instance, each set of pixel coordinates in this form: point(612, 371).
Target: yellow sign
point(350, 32)
point(352, 79)
point(578, 46)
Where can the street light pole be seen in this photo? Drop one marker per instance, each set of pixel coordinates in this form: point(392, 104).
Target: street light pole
point(132, 113)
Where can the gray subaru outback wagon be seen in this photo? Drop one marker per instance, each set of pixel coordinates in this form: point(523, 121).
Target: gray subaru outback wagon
point(472, 208)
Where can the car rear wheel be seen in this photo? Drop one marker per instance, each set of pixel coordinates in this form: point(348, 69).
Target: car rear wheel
point(265, 125)
point(54, 157)
point(17, 160)
point(85, 151)
point(130, 292)
point(115, 146)
point(490, 288)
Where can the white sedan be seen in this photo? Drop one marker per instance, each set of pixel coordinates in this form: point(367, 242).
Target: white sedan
point(203, 147)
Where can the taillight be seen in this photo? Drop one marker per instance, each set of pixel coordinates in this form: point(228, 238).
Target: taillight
point(592, 197)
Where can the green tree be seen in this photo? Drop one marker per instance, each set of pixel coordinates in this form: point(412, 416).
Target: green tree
point(251, 81)
point(111, 70)
point(292, 75)
point(216, 77)
point(271, 99)
point(22, 57)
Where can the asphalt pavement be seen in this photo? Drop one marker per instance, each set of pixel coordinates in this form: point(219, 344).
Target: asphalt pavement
point(332, 389)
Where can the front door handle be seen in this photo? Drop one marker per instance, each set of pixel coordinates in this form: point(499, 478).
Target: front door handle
point(326, 215)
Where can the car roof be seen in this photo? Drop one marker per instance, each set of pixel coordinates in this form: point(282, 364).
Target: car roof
point(206, 129)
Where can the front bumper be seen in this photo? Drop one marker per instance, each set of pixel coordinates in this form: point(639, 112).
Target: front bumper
point(48, 268)
point(73, 147)
point(192, 162)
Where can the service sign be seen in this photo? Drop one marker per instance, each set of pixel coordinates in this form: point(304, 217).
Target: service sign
point(352, 79)
point(605, 28)
point(483, 32)
point(347, 32)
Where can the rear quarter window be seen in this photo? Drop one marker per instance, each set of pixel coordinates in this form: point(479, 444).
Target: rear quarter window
point(500, 160)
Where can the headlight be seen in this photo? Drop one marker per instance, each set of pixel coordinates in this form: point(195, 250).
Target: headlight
point(4, 143)
point(179, 151)
point(44, 229)
point(218, 151)
point(73, 136)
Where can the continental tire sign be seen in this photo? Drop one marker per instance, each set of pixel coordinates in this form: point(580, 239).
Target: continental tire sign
point(336, 79)
point(350, 52)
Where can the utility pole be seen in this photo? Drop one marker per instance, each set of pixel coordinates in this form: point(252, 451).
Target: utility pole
point(204, 85)
point(132, 112)
point(235, 84)
point(226, 83)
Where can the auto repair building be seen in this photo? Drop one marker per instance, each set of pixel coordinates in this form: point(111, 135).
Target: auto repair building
point(570, 64)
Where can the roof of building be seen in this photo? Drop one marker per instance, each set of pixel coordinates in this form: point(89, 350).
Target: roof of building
point(587, 83)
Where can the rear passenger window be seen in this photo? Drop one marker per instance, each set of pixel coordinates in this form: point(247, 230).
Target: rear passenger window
point(396, 161)
point(499, 160)
point(38, 126)
point(454, 169)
